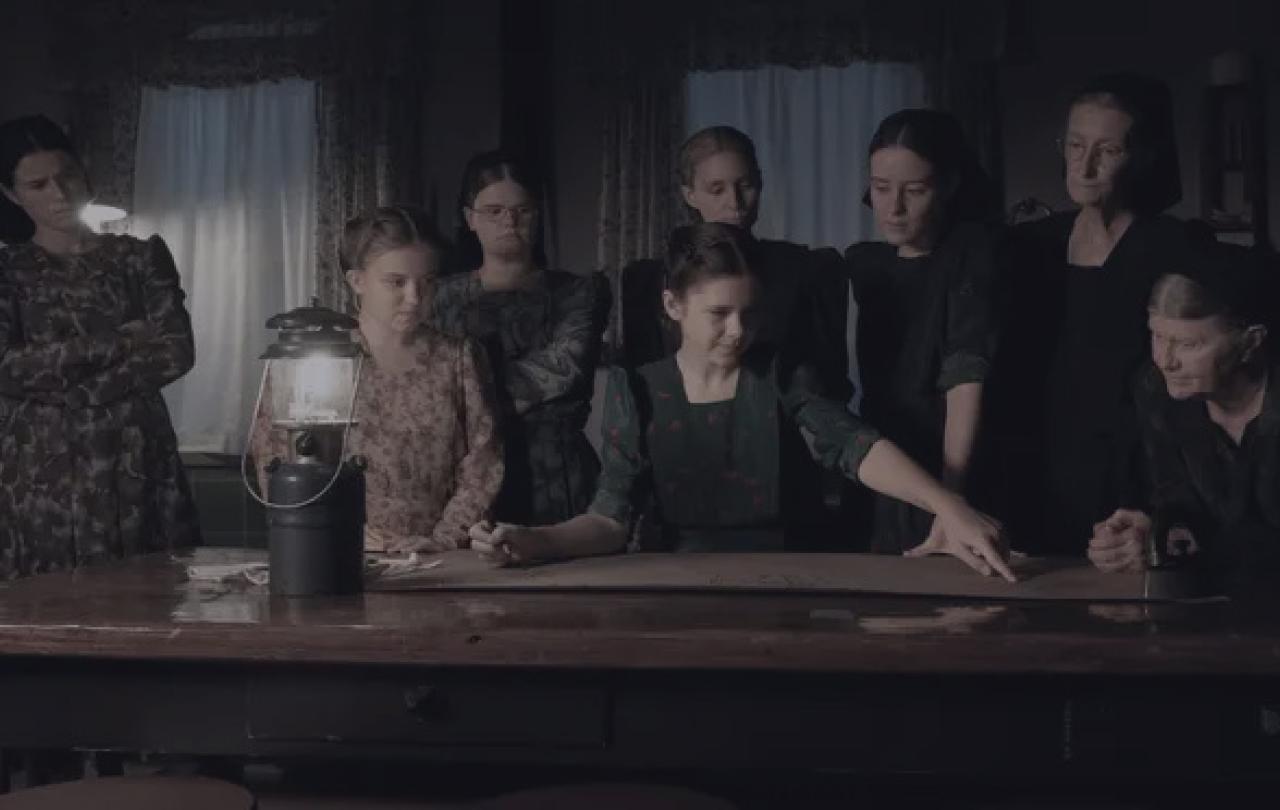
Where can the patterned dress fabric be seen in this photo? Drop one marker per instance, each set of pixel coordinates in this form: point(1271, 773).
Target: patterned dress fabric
point(721, 476)
point(544, 343)
point(89, 466)
point(429, 438)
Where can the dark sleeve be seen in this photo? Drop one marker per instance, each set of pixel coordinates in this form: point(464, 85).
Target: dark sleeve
point(166, 350)
point(570, 357)
point(840, 440)
point(1171, 494)
point(625, 480)
point(643, 321)
point(823, 319)
point(969, 339)
point(45, 372)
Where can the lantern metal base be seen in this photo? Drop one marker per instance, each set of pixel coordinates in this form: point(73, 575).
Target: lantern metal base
point(317, 549)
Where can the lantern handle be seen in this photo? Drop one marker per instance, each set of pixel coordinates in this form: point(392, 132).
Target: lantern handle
point(342, 452)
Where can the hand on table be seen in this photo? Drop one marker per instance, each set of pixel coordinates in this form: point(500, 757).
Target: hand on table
point(1119, 543)
point(506, 544)
point(975, 539)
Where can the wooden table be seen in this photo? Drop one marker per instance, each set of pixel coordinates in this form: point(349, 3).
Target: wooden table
point(135, 657)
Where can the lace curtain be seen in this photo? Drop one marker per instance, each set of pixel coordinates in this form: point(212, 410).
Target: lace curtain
point(366, 58)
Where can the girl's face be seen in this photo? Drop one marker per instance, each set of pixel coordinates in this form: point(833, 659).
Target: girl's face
point(904, 198)
point(716, 317)
point(724, 190)
point(503, 218)
point(1198, 356)
point(52, 189)
point(394, 289)
point(1094, 151)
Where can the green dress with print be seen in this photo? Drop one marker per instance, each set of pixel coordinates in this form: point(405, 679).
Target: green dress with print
point(733, 475)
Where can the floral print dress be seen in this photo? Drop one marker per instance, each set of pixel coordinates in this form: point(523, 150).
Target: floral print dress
point(89, 466)
point(430, 442)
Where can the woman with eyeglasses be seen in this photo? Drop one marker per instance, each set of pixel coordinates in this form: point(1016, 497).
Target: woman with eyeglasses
point(1073, 299)
point(542, 329)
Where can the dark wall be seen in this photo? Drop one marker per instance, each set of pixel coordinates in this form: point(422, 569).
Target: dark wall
point(463, 107)
point(29, 82)
point(1175, 42)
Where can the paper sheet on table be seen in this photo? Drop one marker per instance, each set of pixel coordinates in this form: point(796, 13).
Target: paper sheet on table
point(1040, 578)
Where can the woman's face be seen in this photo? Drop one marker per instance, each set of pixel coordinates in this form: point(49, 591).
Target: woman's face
point(503, 217)
point(1197, 356)
point(904, 198)
point(724, 190)
point(1094, 151)
point(394, 288)
point(52, 189)
point(716, 317)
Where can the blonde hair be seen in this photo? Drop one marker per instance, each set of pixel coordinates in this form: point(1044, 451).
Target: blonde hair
point(711, 141)
point(369, 235)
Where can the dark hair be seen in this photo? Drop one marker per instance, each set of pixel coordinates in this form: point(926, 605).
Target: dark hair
point(1150, 181)
point(966, 190)
point(706, 250)
point(712, 141)
point(20, 137)
point(482, 171)
point(369, 235)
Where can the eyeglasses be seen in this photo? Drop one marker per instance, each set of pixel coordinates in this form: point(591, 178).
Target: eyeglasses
point(1109, 155)
point(495, 213)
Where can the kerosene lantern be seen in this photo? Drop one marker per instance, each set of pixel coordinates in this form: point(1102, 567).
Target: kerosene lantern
point(315, 496)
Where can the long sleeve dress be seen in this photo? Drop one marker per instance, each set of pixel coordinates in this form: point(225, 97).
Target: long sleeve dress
point(543, 343)
point(429, 437)
point(924, 327)
point(1060, 400)
point(721, 476)
point(1226, 494)
point(89, 465)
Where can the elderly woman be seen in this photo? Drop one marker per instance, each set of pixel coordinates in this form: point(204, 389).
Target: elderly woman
point(1209, 407)
point(1060, 406)
point(91, 328)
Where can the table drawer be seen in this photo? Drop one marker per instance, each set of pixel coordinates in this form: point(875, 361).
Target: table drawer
point(426, 710)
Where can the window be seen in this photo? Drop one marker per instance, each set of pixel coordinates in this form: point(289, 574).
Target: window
point(811, 129)
point(227, 177)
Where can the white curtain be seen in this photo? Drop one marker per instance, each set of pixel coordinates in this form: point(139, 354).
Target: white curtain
point(811, 128)
point(227, 177)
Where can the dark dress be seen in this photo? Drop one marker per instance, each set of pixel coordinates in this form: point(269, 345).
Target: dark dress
point(89, 466)
point(1059, 412)
point(543, 344)
point(722, 476)
point(1227, 494)
point(924, 327)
